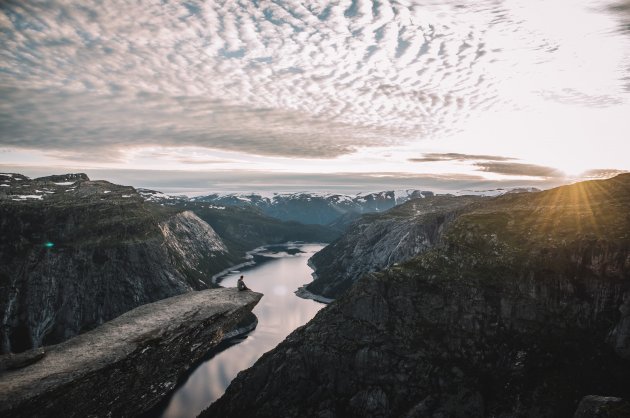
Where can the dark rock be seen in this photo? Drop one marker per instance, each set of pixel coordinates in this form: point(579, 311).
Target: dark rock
point(73, 256)
point(620, 335)
point(76, 253)
point(602, 407)
point(127, 365)
point(510, 316)
point(17, 361)
point(244, 326)
point(377, 241)
point(64, 177)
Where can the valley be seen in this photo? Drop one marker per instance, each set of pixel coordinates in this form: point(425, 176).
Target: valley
point(314, 209)
point(521, 310)
point(438, 306)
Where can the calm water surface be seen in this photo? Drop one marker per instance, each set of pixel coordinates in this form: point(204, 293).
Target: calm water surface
point(279, 312)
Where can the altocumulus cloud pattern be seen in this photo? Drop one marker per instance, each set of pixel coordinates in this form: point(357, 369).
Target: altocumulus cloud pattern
point(286, 78)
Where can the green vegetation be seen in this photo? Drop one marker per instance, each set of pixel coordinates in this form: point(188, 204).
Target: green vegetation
point(546, 232)
point(245, 228)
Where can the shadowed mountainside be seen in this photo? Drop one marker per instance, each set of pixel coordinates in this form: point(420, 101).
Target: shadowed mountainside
point(522, 310)
point(76, 253)
point(377, 241)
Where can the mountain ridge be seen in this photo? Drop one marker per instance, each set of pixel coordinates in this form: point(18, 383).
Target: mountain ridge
point(522, 310)
point(78, 252)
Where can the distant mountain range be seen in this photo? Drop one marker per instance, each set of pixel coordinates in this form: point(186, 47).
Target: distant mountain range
point(332, 209)
point(315, 208)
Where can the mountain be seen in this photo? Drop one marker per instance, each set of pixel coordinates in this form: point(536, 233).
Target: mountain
point(522, 309)
point(314, 208)
point(377, 241)
point(245, 228)
point(76, 253)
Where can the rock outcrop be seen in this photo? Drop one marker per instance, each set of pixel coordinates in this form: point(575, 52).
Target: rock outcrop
point(602, 407)
point(511, 315)
point(127, 365)
point(377, 241)
point(76, 253)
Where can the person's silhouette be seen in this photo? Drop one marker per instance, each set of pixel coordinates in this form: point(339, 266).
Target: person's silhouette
point(241, 284)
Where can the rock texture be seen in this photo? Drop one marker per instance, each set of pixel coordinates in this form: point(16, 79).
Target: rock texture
point(17, 361)
point(602, 407)
point(75, 253)
point(511, 316)
point(125, 366)
point(377, 241)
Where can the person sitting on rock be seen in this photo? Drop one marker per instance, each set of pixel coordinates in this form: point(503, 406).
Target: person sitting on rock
point(241, 284)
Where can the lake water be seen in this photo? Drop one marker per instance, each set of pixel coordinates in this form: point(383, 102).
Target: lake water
point(279, 312)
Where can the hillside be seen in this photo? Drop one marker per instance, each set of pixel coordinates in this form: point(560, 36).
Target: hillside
point(76, 253)
point(522, 310)
point(245, 228)
point(377, 241)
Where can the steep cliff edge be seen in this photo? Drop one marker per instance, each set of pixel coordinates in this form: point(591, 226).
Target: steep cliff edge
point(521, 311)
point(75, 253)
point(377, 241)
point(127, 365)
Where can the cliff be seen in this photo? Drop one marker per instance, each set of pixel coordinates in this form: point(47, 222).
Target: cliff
point(377, 241)
point(76, 253)
point(127, 365)
point(245, 228)
point(520, 311)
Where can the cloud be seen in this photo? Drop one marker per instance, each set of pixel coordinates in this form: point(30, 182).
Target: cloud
point(493, 164)
point(621, 9)
point(451, 156)
point(83, 125)
point(199, 182)
point(519, 169)
point(92, 78)
point(602, 173)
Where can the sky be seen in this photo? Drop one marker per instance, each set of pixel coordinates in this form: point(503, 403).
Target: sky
point(316, 95)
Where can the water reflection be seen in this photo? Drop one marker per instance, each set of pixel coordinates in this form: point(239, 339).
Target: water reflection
point(279, 313)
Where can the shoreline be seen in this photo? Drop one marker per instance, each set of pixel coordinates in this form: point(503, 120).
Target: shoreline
point(304, 293)
point(249, 256)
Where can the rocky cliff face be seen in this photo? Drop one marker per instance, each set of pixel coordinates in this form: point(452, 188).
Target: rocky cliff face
point(377, 241)
point(245, 228)
point(517, 313)
point(75, 253)
point(127, 365)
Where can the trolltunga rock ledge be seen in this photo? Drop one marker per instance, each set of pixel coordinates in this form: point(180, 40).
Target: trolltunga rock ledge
point(127, 365)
